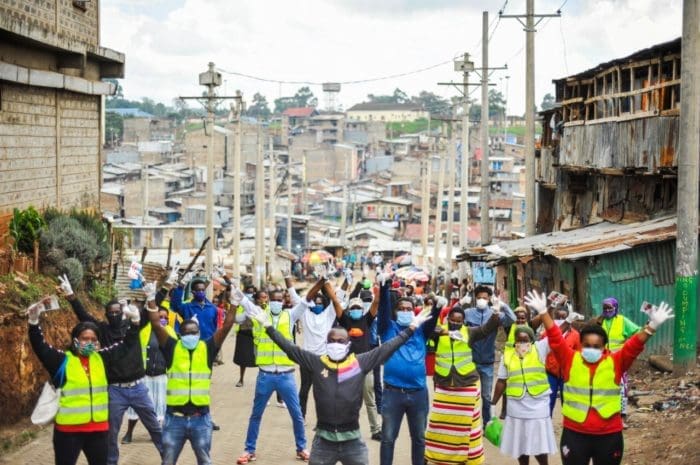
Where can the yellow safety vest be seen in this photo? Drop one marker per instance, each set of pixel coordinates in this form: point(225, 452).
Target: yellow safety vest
point(580, 394)
point(189, 376)
point(510, 341)
point(527, 373)
point(452, 353)
point(267, 352)
point(145, 337)
point(83, 399)
point(616, 333)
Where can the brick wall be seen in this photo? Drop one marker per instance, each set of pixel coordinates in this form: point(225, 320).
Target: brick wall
point(49, 154)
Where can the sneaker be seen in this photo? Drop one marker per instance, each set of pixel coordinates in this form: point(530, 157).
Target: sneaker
point(303, 455)
point(246, 457)
point(215, 427)
point(377, 436)
point(126, 439)
point(281, 404)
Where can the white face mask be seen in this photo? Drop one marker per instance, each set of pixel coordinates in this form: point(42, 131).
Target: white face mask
point(522, 348)
point(559, 322)
point(481, 304)
point(337, 351)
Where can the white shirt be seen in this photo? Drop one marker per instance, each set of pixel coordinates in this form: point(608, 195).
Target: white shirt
point(314, 327)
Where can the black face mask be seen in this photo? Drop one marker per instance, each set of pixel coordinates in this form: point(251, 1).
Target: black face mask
point(115, 320)
point(454, 326)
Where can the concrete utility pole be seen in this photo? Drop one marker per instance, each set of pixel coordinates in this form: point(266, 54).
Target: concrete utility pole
point(451, 156)
point(344, 208)
point(146, 193)
point(485, 185)
point(426, 171)
point(303, 183)
point(686, 302)
point(437, 237)
point(529, 25)
point(259, 212)
point(464, 193)
point(272, 208)
point(238, 109)
point(290, 205)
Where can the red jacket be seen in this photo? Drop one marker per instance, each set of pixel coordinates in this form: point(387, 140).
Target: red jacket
point(572, 338)
point(622, 360)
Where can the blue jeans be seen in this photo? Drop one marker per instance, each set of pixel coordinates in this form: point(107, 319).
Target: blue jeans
point(394, 404)
point(178, 429)
point(285, 386)
point(556, 384)
point(136, 397)
point(352, 452)
point(486, 377)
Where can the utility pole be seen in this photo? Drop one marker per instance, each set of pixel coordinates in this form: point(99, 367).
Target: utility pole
point(485, 185)
point(425, 206)
point(344, 208)
point(529, 25)
point(272, 208)
point(303, 183)
point(466, 66)
point(437, 237)
point(238, 111)
point(290, 205)
point(259, 212)
point(685, 321)
point(451, 156)
point(146, 193)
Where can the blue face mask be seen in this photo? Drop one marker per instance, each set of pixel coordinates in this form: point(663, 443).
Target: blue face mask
point(190, 341)
point(404, 318)
point(317, 309)
point(275, 307)
point(199, 296)
point(355, 313)
point(591, 354)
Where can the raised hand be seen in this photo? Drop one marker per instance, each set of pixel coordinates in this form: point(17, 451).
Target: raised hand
point(64, 285)
point(421, 318)
point(658, 316)
point(150, 290)
point(33, 312)
point(260, 316)
point(236, 296)
point(173, 276)
point(537, 302)
point(132, 313)
point(496, 304)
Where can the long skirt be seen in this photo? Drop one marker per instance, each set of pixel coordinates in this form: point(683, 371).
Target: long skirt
point(454, 432)
point(244, 353)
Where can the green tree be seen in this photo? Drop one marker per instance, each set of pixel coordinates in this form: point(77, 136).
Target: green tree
point(283, 103)
point(114, 127)
point(305, 98)
point(398, 96)
point(548, 101)
point(431, 102)
point(259, 108)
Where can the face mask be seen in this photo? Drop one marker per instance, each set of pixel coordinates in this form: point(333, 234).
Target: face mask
point(275, 307)
point(609, 313)
point(404, 318)
point(114, 320)
point(85, 348)
point(249, 296)
point(559, 322)
point(199, 296)
point(481, 304)
point(591, 354)
point(366, 306)
point(355, 313)
point(164, 322)
point(337, 351)
point(522, 348)
point(317, 309)
point(190, 341)
point(453, 326)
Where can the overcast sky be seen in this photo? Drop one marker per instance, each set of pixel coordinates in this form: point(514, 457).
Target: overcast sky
point(168, 42)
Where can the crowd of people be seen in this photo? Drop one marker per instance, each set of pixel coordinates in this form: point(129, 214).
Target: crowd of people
point(374, 342)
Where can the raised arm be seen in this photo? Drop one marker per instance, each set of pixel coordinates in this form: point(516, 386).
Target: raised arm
point(384, 319)
point(330, 293)
point(161, 334)
point(374, 306)
point(221, 333)
point(480, 332)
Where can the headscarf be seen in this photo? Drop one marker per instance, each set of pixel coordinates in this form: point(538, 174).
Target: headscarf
point(525, 329)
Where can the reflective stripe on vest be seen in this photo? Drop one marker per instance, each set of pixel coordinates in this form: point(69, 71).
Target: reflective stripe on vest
point(83, 399)
point(580, 394)
point(452, 353)
point(527, 373)
point(616, 333)
point(189, 376)
point(145, 337)
point(267, 352)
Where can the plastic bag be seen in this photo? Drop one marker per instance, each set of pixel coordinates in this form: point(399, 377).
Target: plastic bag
point(47, 406)
point(493, 431)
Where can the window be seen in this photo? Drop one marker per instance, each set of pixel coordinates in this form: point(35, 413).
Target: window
point(80, 4)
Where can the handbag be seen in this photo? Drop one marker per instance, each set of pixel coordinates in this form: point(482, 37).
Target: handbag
point(47, 406)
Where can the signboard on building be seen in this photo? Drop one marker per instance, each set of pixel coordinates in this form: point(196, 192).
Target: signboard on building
point(483, 274)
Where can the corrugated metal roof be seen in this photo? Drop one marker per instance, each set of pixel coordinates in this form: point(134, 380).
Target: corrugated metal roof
point(151, 272)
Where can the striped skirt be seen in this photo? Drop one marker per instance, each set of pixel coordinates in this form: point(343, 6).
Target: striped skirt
point(454, 434)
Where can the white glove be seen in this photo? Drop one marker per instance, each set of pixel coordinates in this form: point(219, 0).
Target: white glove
point(340, 294)
point(150, 290)
point(573, 316)
point(173, 276)
point(65, 286)
point(348, 275)
point(419, 319)
point(132, 313)
point(123, 304)
point(33, 312)
point(466, 300)
point(456, 335)
point(260, 316)
point(496, 304)
point(441, 301)
point(658, 316)
point(236, 297)
point(537, 302)
point(187, 278)
point(321, 271)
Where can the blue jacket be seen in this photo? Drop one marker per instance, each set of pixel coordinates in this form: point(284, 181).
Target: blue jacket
point(484, 350)
point(406, 368)
point(205, 312)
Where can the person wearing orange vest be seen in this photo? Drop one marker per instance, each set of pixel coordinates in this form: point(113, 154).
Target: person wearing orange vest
point(82, 421)
point(522, 377)
point(592, 411)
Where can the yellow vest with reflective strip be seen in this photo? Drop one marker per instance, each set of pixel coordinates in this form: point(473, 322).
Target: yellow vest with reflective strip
point(267, 352)
point(580, 394)
point(527, 373)
point(616, 333)
point(83, 399)
point(452, 353)
point(510, 341)
point(145, 337)
point(189, 376)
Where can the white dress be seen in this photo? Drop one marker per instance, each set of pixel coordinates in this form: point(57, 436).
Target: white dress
point(528, 427)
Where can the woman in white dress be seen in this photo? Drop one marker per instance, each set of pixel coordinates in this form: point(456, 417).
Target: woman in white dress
point(522, 377)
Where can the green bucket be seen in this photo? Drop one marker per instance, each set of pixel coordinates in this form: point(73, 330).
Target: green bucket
point(493, 431)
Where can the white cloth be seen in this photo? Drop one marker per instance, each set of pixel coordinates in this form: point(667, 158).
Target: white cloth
point(156, 391)
point(314, 327)
point(528, 437)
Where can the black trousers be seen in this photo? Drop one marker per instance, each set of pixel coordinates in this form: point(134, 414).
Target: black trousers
point(306, 379)
point(579, 449)
point(67, 447)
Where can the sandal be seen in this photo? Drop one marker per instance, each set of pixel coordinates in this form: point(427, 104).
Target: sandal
point(246, 457)
point(239, 384)
point(303, 455)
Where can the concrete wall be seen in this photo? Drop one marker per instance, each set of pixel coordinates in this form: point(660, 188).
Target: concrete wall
point(388, 116)
point(50, 150)
point(134, 192)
